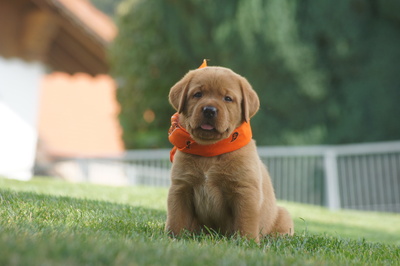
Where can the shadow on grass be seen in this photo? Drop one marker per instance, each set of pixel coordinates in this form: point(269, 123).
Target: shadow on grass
point(38, 229)
point(38, 211)
point(35, 213)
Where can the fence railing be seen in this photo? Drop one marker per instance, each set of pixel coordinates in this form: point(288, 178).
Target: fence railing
point(357, 176)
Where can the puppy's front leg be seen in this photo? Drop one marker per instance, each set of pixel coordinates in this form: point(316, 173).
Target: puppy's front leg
point(180, 214)
point(247, 215)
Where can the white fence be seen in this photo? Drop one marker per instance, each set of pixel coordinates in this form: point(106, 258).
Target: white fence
point(362, 176)
point(359, 176)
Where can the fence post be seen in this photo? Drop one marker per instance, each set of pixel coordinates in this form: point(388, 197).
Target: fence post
point(83, 164)
point(331, 179)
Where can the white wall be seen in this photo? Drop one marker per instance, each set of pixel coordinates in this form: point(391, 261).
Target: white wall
point(19, 96)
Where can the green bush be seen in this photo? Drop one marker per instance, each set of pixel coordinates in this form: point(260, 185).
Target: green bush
point(326, 71)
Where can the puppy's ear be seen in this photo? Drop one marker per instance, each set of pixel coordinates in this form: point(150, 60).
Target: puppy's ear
point(250, 101)
point(178, 93)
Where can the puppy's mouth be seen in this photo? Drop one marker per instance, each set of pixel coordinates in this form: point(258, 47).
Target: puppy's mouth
point(207, 133)
point(207, 127)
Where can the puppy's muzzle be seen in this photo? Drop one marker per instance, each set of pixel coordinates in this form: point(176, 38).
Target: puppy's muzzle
point(210, 112)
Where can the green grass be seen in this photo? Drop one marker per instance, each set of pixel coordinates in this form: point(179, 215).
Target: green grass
point(50, 222)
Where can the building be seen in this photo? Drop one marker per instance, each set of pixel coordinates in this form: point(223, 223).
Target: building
point(54, 84)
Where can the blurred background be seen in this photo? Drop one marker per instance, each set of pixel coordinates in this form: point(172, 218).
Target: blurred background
point(84, 85)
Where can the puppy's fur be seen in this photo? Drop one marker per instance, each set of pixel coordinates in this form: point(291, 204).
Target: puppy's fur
point(230, 193)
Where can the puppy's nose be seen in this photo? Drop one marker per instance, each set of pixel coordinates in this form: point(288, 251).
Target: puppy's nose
point(210, 112)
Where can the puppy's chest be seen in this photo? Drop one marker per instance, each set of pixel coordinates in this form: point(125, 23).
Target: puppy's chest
point(210, 198)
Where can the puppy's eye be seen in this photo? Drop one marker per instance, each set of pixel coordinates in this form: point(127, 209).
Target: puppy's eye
point(198, 95)
point(228, 99)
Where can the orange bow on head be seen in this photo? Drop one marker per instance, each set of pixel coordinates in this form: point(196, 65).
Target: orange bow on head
point(204, 64)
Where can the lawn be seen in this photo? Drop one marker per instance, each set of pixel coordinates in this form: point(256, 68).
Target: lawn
point(51, 222)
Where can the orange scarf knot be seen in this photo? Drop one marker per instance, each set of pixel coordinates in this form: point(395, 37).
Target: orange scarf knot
point(182, 140)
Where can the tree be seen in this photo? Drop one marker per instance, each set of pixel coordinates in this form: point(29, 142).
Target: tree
point(151, 53)
point(107, 6)
point(315, 66)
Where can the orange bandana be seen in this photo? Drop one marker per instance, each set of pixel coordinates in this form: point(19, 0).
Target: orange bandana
point(182, 141)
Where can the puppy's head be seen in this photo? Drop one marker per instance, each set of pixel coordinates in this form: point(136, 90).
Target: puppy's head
point(212, 102)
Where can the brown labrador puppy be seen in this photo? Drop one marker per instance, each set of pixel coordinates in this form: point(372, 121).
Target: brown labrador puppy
point(229, 193)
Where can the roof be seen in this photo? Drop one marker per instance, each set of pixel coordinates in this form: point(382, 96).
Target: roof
point(67, 35)
point(85, 16)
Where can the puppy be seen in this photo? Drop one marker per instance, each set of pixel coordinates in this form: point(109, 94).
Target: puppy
point(229, 192)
